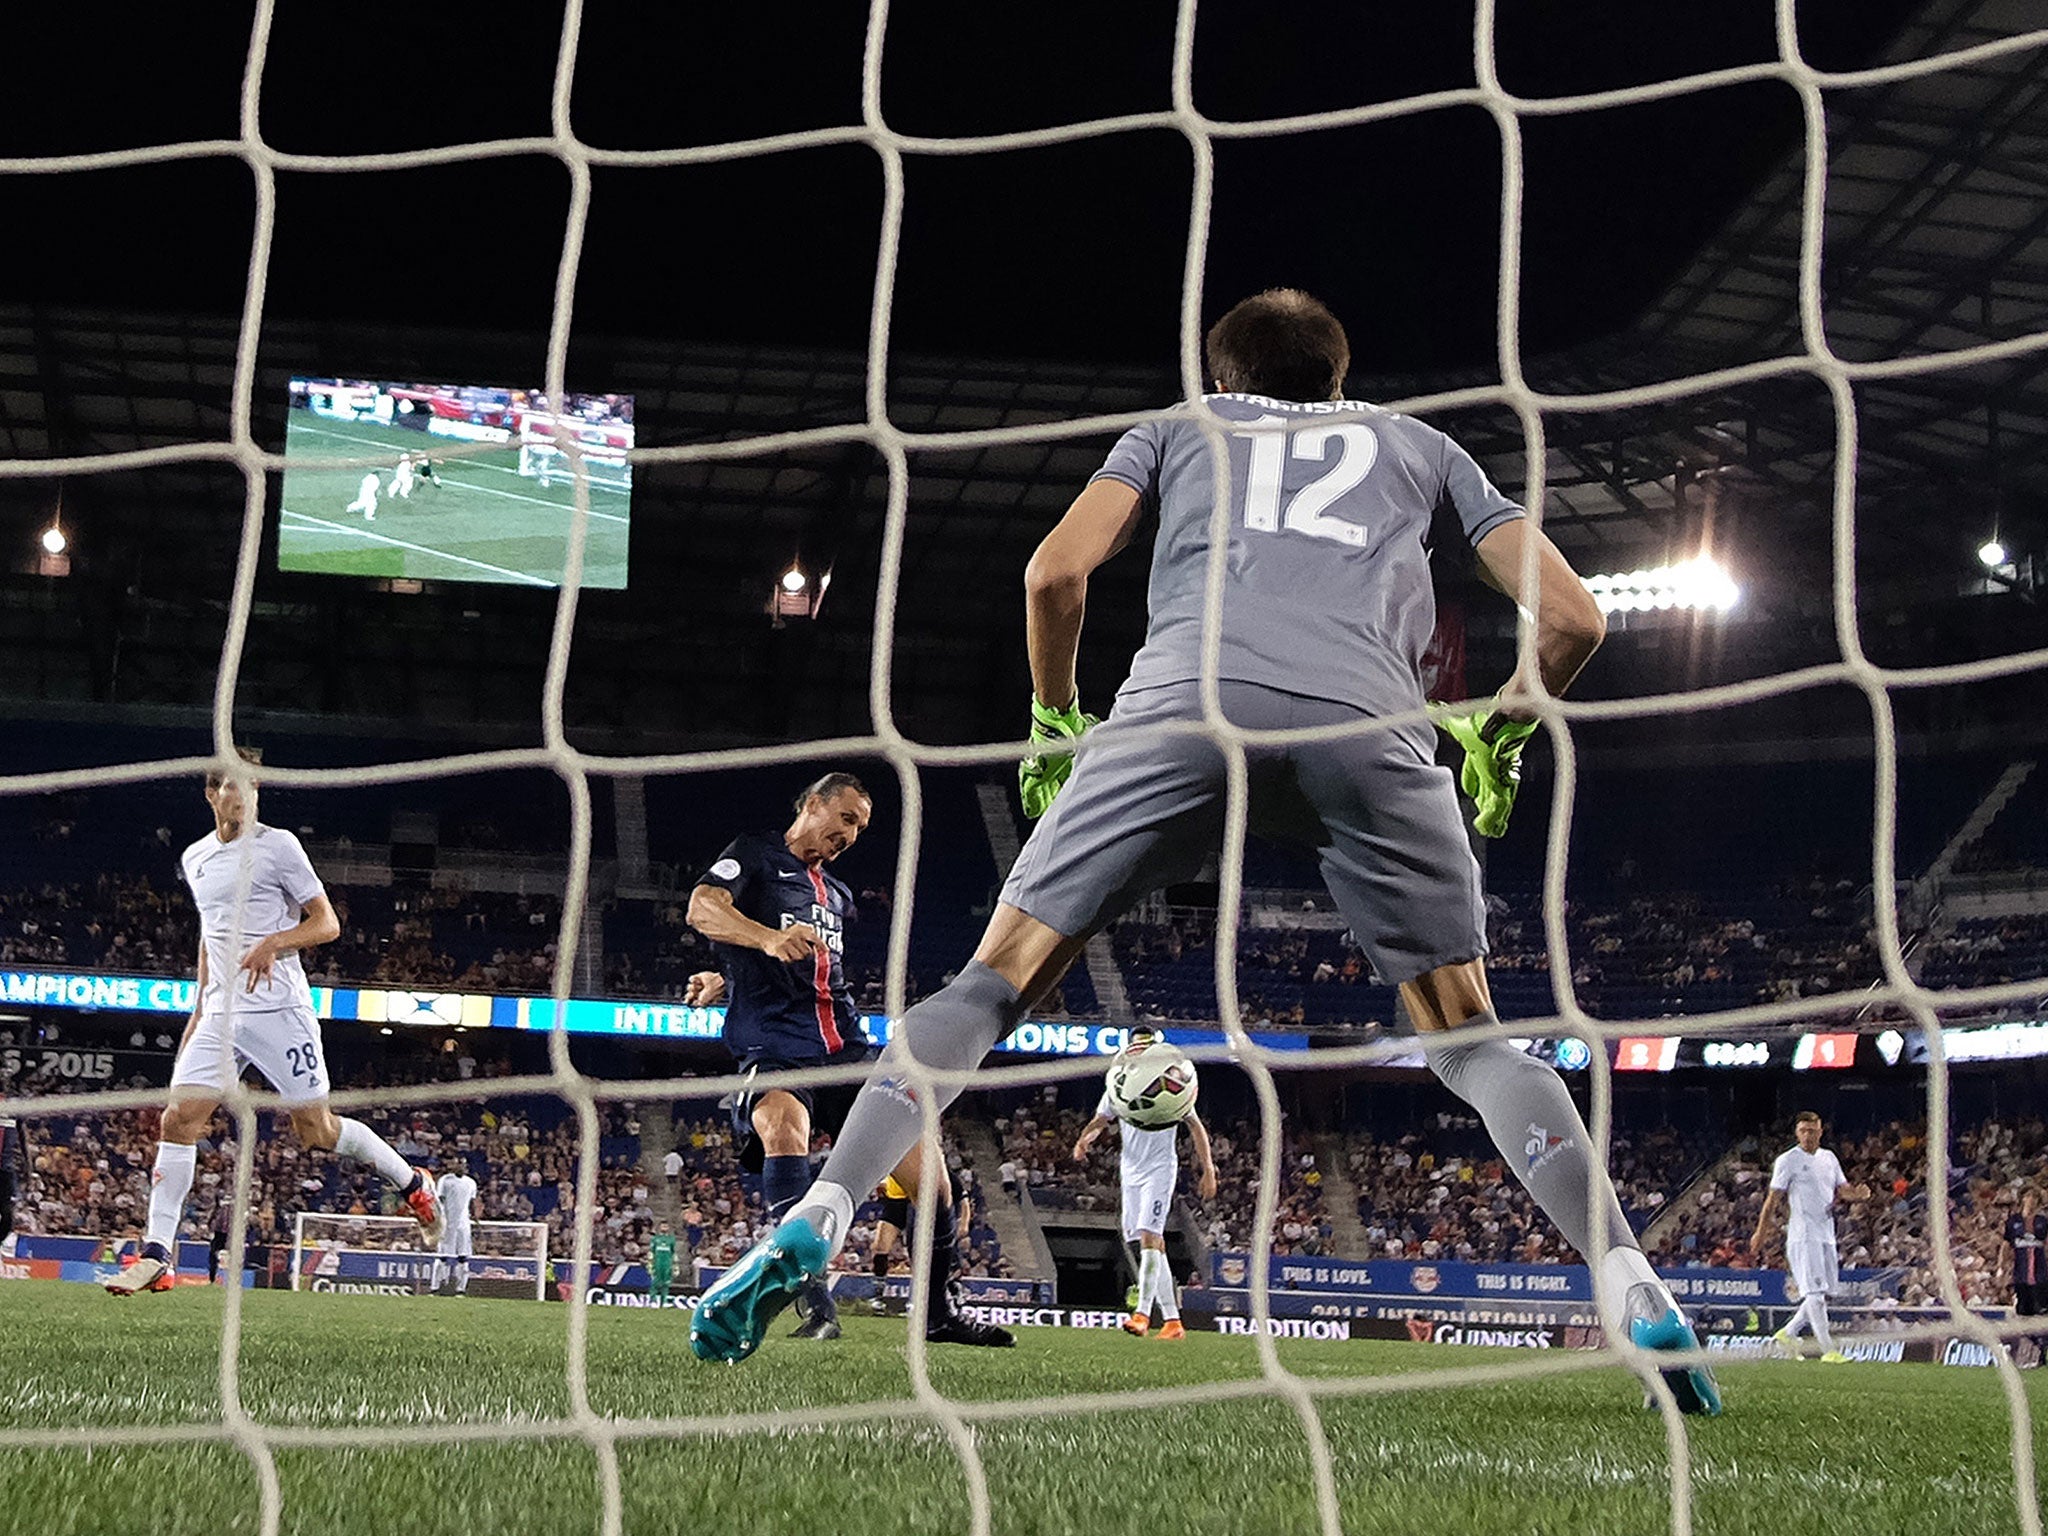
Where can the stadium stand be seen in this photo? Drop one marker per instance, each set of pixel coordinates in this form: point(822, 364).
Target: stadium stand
point(88, 1175)
point(1991, 1160)
point(2017, 838)
point(1756, 913)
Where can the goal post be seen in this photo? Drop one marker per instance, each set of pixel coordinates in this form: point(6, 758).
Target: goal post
point(383, 1256)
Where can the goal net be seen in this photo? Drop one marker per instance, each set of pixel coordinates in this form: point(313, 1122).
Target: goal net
point(383, 1256)
point(964, 1423)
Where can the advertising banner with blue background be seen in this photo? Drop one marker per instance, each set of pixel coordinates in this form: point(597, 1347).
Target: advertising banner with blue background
point(1516, 1283)
point(580, 1015)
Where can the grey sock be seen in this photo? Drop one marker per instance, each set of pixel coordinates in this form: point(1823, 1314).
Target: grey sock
point(1538, 1130)
point(952, 1029)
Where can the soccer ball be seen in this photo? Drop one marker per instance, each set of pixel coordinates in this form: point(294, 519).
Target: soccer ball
point(1153, 1086)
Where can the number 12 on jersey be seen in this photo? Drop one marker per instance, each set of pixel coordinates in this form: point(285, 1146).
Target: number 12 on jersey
point(1307, 511)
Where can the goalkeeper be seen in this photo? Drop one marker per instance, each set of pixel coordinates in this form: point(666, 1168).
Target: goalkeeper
point(661, 1264)
point(1326, 607)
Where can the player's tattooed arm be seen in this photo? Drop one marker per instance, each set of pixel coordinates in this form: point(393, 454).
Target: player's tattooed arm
point(713, 914)
point(1772, 1200)
point(1089, 1136)
point(1205, 1157)
point(198, 1000)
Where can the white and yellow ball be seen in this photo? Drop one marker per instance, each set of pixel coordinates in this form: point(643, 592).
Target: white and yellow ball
point(1153, 1086)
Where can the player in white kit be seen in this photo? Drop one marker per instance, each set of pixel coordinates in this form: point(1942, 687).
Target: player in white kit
point(401, 477)
point(366, 497)
point(455, 1190)
point(259, 904)
point(1806, 1180)
point(1150, 1169)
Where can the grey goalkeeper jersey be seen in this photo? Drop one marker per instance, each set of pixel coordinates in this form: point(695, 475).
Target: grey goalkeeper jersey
point(1327, 588)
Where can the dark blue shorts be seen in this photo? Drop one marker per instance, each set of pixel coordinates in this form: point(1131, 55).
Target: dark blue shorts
point(827, 1105)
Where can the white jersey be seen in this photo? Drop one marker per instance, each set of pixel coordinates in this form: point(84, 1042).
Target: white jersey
point(367, 491)
point(455, 1191)
point(1147, 1155)
point(281, 883)
point(1809, 1180)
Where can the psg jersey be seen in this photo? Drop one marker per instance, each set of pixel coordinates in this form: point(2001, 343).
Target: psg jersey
point(792, 1011)
point(2028, 1261)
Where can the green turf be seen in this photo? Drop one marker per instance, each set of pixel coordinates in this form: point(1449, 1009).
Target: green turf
point(483, 523)
point(1805, 1450)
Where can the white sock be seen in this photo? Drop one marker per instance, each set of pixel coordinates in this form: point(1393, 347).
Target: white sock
point(1798, 1318)
point(363, 1145)
point(1152, 1291)
point(1162, 1285)
point(1622, 1270)
point(440, 1274)
point(461, 1276)
point(169, 1184)
point(1819, 1317)
point(829, 1208)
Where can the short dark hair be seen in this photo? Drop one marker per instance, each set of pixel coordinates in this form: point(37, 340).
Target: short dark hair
point(830, 785)
point(251, 755)
point(1805, 1117)
point(1283, 343)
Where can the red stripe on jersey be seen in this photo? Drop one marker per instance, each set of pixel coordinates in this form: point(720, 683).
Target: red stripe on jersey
point(821, 973)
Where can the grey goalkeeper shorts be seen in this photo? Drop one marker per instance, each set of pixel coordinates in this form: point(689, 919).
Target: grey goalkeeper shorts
point(1376, 810)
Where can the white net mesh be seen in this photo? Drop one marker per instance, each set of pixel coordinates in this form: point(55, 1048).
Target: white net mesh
point(1814, 359)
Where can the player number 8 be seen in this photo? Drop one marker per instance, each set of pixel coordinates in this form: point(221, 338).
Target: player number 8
point(1357, 449)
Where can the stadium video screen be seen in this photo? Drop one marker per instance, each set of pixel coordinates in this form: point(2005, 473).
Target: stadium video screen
point(463, 482)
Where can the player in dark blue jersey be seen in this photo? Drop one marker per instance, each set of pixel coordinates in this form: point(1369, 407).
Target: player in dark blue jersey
point(10, 1156)
point(779, 921)
point(2027, 1232)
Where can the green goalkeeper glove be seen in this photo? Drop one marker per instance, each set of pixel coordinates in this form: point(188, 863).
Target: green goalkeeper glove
point(1493, 762)
point(1041, 776)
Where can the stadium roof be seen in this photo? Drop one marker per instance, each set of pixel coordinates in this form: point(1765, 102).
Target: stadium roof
point(1936, 213)
point(1936, 240)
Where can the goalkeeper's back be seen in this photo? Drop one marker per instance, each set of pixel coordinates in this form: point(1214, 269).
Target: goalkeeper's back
point(1327, 587)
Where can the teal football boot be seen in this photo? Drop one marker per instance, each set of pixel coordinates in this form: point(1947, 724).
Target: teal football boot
point(733, 1316)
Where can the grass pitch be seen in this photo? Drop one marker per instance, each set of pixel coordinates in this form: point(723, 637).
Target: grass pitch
point(1873, 1450)
point(484, 522)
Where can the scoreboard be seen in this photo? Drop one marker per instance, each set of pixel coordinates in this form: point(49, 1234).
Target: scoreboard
point(1800, 1052)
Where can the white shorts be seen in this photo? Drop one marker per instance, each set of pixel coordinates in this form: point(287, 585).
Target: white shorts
point(1146, 1202)
point(1815, 1264)
point(455, 1242)
point(283, 1045)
